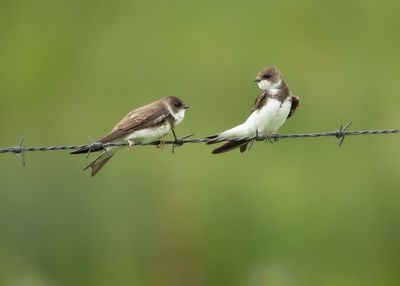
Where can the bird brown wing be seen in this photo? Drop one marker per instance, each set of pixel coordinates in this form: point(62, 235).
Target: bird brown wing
point(260, 101)
point(143, 117)
point(295, 104)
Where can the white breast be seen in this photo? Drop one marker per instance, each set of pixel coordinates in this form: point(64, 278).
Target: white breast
point(270, 117)
point(179, 116)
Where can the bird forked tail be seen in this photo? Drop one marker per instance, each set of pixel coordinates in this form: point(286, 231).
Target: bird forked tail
point(99, 163)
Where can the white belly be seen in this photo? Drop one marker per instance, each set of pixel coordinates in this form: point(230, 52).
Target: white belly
point(269, 118)
point(147, 135)
point(150, 134)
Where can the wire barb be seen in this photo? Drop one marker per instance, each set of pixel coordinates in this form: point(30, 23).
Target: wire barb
point(339, 134)
point(94, 146)
point(19, 151)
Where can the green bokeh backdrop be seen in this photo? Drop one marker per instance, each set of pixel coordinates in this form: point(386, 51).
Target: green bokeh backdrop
point(299, 212)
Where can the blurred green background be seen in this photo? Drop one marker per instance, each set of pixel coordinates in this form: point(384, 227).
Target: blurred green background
point(299, 212)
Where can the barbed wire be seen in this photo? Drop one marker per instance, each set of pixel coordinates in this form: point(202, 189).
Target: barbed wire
point(339, 134)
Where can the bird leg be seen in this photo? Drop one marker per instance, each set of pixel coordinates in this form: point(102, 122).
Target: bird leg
point(130, 144)
point(176, 143)
point(267, 138)
point(161, 142)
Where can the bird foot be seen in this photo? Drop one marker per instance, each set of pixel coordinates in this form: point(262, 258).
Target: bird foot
point(267, 138)
point(130, 144)
point(161, 144)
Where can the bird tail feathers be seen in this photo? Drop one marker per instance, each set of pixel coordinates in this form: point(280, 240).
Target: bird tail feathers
point(87, 149)
point(99, 163)
point(240, 131)
point(229, 146)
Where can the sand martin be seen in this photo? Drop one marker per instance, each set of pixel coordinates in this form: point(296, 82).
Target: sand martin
point(271, 109)
point(142, 125)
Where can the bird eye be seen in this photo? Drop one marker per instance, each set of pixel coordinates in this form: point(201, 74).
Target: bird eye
point(267, 76)
point(178, 104)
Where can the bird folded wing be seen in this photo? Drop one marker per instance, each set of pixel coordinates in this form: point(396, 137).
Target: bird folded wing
point(138, 119)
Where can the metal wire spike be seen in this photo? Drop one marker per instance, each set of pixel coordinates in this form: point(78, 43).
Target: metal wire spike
point(179, 142)
point(20, 151)
point(341, 133)
point(94, 145)
point(187, 136)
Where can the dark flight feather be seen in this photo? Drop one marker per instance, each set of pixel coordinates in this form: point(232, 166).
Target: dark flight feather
point(228, 146)
point(260, 101)
point(97, 164)
point(295, 104)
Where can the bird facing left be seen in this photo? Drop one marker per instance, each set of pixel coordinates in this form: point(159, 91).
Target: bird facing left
point(145, 124)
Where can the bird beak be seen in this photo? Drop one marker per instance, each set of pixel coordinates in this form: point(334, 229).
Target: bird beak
point(186, 107)
point(258, 79)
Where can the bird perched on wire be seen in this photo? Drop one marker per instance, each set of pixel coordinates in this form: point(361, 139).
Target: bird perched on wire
point(271, 109)
point(145, 124)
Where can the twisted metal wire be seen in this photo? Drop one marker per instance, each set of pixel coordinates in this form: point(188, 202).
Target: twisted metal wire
point(339, 134)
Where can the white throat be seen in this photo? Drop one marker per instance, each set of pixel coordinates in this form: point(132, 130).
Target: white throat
point(272, 88)
point(177, 115)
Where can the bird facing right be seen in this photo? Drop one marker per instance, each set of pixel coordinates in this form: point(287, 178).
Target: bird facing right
point(271, 109)
point(142, 125)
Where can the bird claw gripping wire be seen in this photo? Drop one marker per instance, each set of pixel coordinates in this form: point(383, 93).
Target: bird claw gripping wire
point(266, 138)
point(341, 133)
point(179, 142)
